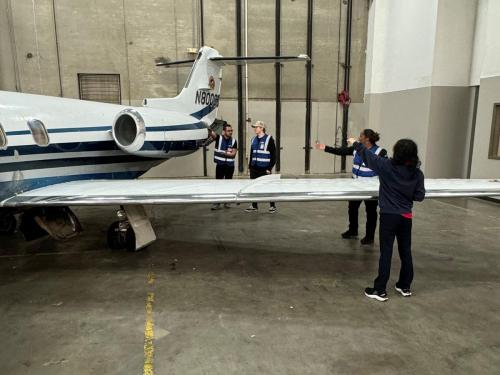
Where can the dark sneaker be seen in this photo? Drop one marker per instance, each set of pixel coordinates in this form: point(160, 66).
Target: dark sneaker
point(367, 241)
point(375, 294)
point(272, 210)
point(349, 235)
point(251, 209)
point(405, 292)
point(216, 207)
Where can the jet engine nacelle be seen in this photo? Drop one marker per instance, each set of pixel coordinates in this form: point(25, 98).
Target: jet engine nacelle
point(129, 130)
point(144, 132)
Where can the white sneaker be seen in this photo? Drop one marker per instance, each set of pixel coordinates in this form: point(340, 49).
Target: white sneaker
point(251, 209)
point(272, 210)
point(403, 292)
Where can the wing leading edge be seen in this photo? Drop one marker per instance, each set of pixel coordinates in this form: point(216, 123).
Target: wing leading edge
point(163, 191)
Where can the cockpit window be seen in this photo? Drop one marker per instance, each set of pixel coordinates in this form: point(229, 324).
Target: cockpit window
point(39, 132)
point(3, 138)
point(192, 69)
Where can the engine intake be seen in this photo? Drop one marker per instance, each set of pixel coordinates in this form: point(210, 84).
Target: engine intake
point(129, 130)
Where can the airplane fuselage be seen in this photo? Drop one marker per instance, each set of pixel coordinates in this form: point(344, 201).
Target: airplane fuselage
point(81, 144)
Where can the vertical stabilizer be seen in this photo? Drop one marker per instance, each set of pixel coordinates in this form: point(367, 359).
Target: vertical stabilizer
point(200, 96)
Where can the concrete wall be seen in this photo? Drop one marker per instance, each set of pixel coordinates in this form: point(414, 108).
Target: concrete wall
point(125, 37)
point(419, 64)
point(7, 58)
point(487, 72)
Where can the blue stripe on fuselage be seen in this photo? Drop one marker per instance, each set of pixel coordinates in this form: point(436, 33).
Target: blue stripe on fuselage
point(166, 146)
point(166, 128)
point(203, 112)
point(60, 147)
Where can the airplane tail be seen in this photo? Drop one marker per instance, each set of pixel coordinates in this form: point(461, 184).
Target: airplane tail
point(201, 93)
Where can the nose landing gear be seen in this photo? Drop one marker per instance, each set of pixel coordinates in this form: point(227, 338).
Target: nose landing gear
point(121, 234)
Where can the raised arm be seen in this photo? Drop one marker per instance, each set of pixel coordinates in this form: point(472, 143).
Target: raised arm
point(343, 151)
point(372, 161)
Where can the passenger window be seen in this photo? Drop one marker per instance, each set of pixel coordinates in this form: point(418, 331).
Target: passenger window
point(39, 132)
point(3, 138)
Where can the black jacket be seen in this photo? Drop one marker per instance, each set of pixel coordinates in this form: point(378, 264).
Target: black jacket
point(346, 151)
point(400, 185)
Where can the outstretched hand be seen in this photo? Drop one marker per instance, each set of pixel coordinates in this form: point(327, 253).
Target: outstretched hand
point(319, 146)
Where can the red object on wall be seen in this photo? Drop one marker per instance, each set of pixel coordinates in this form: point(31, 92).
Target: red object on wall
point(344, 98)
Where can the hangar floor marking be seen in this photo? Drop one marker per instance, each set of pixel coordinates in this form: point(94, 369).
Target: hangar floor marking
point(149, 334)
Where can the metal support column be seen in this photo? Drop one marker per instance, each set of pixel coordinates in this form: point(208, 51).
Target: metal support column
point(277, 45)
point(347, 75)
point(239, 75)
point(202, 42)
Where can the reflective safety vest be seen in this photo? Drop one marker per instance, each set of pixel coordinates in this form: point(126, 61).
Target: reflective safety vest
point(260, 155)
point(221, 146)
point(359, 168)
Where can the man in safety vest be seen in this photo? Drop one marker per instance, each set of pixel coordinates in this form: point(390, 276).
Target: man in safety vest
point(262, 158)
point(369, 139)
point(224, 156)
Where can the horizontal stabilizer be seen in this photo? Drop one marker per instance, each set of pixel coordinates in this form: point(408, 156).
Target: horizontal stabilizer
point(178, 64)
point(257, 59)
point(242, 60)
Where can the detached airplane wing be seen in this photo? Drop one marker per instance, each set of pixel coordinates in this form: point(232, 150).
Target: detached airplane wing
point(269, 188)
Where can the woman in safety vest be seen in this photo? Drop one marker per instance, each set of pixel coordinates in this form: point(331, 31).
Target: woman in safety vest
point(360, 170)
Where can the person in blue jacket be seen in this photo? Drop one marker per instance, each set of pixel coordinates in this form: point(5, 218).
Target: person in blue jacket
point(401, 184)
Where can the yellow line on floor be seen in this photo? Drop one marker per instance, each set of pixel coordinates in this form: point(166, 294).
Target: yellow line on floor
point(149, 334)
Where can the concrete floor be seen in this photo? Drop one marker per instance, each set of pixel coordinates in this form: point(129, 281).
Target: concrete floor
point(238, 293)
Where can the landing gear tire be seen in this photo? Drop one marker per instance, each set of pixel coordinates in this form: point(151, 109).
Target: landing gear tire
point(8, 225)
point(121, 236)
point(116, 236)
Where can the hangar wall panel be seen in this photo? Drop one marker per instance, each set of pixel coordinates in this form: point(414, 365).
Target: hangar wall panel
point(489, 94)
point(36, 53)
point(488, 64)
point(125, 37)
point(7, 62)
point(420, 55)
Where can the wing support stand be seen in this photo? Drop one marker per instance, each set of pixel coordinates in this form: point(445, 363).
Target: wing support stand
point(143, 230)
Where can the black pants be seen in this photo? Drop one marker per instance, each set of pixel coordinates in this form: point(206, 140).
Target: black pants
point(394, 226)
point(224, 171)
point(256, 173)
point(371, 217)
